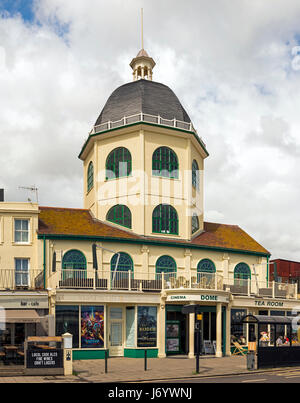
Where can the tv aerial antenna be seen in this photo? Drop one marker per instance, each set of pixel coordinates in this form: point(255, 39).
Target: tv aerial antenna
point(32, 189)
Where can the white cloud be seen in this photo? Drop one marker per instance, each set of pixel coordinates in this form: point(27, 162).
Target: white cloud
point(232, 65)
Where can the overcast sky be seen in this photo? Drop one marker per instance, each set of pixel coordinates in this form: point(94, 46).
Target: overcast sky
point(235, 66)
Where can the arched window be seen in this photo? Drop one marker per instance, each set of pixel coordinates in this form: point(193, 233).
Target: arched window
point(120, 214)
point(242, 273)
point(120, 264)
point(195, 223)
point(165, 220)
point(118, 163)
point(90, 176)
point(195, 174)
point(165, 163)
point(206, 272)
point(74, 265)
point(165, 264)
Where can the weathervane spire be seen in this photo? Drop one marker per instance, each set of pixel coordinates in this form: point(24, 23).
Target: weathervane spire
point(142, 65)
point(142, 28)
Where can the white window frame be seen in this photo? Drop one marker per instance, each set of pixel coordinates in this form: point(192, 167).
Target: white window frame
point(22, 273)
point(21, 231)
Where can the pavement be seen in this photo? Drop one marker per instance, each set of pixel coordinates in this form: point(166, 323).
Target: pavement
point(125, 370)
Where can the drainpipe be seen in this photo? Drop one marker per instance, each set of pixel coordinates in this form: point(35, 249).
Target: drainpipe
point(268, 270)
point(44, 262)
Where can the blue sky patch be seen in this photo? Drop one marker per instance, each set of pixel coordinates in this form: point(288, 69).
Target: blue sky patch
point(22, 7)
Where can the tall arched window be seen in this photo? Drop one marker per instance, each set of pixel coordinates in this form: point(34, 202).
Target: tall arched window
point(74, 264)
point(165, 220)
point(165, 163)
point(90, 176)
point(242, 273)
point(195, 223)
point(165, 264)
point(118, 163)
point(120, 264)
point(120, 214)
point(195, 174)
point(205, 272)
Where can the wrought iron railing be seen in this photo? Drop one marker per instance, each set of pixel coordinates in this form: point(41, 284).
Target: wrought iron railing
point(11, 279)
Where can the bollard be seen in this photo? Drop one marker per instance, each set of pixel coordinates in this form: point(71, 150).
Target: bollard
point(106, 356)
point(145, 362)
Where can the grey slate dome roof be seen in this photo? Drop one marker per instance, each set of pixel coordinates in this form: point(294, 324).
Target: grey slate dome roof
point(144, 96)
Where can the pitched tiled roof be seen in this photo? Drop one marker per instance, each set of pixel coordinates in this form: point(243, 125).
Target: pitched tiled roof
point(80, 222)
point(229, 237)
point(68, 221)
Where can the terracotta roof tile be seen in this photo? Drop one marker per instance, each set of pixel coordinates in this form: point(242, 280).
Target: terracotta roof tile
point(227, 236)
point(80, 222)
point(68, 221)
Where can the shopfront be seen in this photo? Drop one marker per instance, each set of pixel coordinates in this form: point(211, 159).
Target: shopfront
point(122, 330)
point(214, 324)
point(244, 332)
point(23, 315)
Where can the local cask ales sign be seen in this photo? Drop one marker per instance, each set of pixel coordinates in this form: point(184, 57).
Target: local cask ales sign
point(42, 359)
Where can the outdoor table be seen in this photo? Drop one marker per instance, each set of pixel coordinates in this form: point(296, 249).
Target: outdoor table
point(44, 347)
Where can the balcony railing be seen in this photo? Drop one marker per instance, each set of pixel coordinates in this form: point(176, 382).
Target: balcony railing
point(145, 117)
point(11, 279)
point(32, 279)
point(150, 281)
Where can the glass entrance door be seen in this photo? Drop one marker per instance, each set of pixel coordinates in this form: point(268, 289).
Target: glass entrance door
point(116, 332)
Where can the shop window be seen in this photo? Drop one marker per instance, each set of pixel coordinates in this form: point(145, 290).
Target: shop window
point(21, 231)
point(120, 214)
point(130, 326)
point(92, 326)
point(165, 163)
point(165, 220)
point(118, 163)
point(90, 176)
point(147, 326)
point(238, 330)
point(195, 175)
point(166, 264)
point(67, 321)
point(242, 274)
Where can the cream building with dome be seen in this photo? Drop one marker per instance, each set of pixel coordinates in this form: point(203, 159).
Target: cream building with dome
point(119, 271)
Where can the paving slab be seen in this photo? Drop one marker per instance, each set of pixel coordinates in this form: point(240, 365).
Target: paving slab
point(125, 370)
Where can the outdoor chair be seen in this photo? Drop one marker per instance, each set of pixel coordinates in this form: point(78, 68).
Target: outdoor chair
point(2, 356)
point(239, 349)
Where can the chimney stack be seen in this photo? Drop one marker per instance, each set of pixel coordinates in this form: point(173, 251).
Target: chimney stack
point(1, 195)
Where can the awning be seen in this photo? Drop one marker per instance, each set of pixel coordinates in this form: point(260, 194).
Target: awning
point(269, 320)
point(20, 316)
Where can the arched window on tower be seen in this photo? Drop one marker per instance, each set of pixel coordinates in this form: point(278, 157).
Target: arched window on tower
point(195, 175)
point(90, 176)
point(120, 214)
point(118, 163)
point(165, 220)
point(165, 163)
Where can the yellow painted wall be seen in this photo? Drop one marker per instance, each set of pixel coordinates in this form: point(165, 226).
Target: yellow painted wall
point(142, 191)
